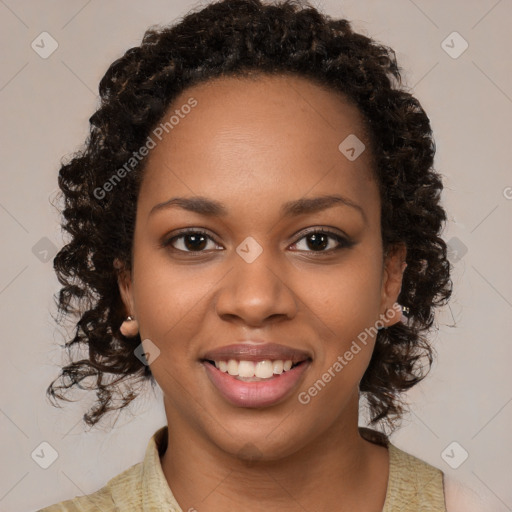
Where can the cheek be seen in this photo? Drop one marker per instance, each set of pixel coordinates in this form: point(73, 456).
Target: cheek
point(339, 367)
point(170, 300)
point(347, 296)
point(171, 304)
point(347, 301)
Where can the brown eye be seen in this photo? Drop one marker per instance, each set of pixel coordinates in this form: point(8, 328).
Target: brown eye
point(194, 242)
point(317, 241)
point(322, 241)
point(190, 241)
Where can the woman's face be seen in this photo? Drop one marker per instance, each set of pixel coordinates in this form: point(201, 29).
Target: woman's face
point(259, 152)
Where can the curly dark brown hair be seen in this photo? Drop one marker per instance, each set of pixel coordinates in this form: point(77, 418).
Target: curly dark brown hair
point(237, 38)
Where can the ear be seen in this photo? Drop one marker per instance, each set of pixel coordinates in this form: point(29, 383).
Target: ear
point(394, 267)
point(124, 281)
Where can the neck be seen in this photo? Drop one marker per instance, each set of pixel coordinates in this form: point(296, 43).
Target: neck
point(337, 470)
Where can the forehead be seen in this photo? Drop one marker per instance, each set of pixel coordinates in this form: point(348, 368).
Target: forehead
point(263, 104)
point(265, 133)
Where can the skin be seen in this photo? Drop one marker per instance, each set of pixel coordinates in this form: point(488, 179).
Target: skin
point(254, 144)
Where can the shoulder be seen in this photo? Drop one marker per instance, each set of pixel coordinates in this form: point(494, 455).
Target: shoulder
point(405, 460)
point(413, 482)
point(141, 486)
point(462, 498)
point(122, 492)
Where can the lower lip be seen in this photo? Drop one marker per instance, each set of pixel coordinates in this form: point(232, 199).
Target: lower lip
point(257, 393)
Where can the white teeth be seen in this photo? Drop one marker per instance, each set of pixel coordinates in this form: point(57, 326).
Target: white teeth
point(246, 369)
point(232, 367)
point(264, 369)
point(278, 367)
point(261, 369)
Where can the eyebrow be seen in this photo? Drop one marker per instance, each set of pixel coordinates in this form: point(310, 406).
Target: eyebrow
point(212, 208)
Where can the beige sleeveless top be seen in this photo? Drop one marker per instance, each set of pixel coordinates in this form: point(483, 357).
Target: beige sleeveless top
point(413, 485)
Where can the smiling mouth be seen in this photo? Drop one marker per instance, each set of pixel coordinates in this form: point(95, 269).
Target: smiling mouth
point(255, 371)
point(243, 387)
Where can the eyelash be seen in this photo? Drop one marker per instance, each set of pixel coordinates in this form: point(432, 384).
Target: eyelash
point(343, 243)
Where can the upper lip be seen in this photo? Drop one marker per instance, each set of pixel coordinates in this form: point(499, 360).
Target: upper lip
point(256, 352)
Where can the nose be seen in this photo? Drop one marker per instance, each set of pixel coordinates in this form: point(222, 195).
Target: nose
point(256, 292)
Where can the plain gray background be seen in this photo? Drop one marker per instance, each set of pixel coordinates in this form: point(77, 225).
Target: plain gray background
point(45, 105)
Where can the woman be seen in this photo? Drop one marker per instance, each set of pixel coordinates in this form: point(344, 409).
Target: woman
point(255, 226)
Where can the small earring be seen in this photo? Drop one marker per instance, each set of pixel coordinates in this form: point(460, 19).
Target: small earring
point(129, 327)
point(397, 309)
point(405, 315)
